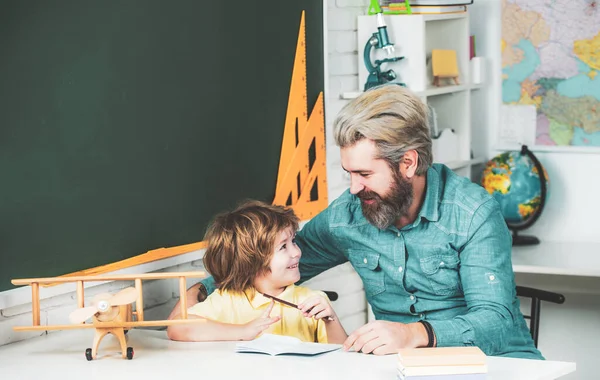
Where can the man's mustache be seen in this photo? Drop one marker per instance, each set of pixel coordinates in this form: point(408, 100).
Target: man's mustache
point(367, 195)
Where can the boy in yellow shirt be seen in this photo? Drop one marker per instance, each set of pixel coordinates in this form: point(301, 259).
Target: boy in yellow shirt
point(252, 251)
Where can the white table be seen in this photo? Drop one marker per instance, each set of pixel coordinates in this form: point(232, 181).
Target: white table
point(61, 355)
point(558, 258)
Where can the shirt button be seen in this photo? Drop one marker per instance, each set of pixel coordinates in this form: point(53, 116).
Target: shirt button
point(442, 263)
point(412, 297)
point(399, 269)
point(492, 278)
point(365, 260)
point(421, 315)
point(398, 234)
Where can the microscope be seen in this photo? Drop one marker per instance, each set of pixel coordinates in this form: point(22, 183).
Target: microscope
point(379, 40)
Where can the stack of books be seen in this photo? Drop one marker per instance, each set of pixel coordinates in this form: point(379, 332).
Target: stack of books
point(438, 10)
point(442, 363)
point(427, 6)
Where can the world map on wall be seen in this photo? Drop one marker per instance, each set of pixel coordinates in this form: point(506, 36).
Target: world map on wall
point(551, 60)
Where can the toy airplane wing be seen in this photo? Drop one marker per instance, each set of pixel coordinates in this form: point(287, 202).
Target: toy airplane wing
point(110, 313)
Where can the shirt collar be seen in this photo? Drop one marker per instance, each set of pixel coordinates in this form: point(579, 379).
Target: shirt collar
point(430, 209)
point(259, 300)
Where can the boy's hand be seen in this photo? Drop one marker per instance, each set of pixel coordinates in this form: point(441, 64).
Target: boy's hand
point(254, 328)
point(318, 307)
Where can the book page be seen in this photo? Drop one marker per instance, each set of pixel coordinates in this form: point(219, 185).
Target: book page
point(284, 345)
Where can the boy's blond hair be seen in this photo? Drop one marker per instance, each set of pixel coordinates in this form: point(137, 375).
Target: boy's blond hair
point(240, 243)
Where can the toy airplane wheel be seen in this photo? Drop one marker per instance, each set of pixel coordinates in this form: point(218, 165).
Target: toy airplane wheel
point(129, 353)
point(88, 354)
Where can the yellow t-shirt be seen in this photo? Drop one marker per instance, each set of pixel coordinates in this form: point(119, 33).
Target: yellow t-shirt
point(226, 307)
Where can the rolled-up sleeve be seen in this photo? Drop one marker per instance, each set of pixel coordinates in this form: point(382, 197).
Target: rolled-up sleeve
point(488, 283)
point(209, 284)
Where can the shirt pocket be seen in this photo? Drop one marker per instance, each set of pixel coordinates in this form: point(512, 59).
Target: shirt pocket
point(366, 264)
point(442, 273)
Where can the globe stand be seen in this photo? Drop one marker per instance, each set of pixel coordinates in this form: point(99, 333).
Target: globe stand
point(523, 240)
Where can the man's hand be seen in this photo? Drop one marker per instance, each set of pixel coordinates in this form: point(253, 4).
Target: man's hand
point(317, 307)
point(255, 327)
point(384, 337)
point(202, 294)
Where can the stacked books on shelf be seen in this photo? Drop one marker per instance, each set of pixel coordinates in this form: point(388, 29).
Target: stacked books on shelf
point(427, 6)
point(442, 363)
point(443, 9)
point(439, 2)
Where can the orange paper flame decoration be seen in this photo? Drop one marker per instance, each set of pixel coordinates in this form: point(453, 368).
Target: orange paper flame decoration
point(302, 175)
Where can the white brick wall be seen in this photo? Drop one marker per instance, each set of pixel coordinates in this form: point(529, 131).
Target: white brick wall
point(159, 296)
point(342, 65)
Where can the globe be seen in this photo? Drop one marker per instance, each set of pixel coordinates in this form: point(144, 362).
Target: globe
point(513, 179)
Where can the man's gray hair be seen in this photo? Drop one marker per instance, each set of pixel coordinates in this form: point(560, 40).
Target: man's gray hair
point(394, 118)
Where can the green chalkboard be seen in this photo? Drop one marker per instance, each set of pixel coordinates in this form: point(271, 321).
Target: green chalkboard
point(127, 124)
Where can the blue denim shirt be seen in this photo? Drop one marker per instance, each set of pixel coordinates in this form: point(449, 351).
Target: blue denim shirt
point(451, 266)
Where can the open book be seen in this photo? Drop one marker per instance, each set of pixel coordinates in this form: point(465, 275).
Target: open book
point(284, 345)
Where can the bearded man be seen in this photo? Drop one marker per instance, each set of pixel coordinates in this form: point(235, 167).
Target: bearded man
point(431, 247)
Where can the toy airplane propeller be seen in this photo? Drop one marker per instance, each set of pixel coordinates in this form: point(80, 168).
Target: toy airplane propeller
point(104, 306)
point(107, 308)
point(110, 313)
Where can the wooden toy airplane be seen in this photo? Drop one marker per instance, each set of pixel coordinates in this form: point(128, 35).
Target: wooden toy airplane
point(111, 314)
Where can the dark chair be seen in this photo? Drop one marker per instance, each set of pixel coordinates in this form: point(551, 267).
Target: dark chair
point(332, 295)
point(537, 296)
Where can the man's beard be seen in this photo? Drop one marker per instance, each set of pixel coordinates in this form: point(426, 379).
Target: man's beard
point(386, 210)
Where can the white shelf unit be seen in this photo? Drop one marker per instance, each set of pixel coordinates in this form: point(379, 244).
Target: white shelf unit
point(429, 91)
point(414, 37)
